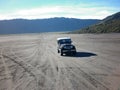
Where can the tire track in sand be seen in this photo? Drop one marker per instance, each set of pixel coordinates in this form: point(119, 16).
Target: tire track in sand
point(9, 81)
point(33, 71)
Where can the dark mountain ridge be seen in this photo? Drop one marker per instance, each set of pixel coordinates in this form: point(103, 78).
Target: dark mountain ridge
point(110, 24)
point(43, 25)
point(115, 16)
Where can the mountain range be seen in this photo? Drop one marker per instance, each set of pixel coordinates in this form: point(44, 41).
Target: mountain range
point(110, 24)
point(44, 25)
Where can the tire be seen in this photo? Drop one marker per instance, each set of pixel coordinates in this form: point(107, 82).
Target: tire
point(74, 53)
point(61, 54)
point(58, 51)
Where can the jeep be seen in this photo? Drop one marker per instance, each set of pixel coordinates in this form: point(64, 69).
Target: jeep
point(65, 46)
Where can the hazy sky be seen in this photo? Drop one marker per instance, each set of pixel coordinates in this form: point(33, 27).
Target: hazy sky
point(34, 9)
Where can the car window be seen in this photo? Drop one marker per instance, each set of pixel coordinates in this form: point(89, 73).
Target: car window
point(64, 41)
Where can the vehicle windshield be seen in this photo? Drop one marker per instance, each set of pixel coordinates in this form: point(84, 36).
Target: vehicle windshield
point(64, 41)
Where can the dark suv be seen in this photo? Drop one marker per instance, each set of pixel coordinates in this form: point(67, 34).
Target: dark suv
point(65, 46)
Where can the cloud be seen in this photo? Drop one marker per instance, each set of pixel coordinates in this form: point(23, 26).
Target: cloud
point(60, 11)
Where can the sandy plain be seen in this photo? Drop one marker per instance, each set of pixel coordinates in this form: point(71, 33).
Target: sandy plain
point(31, 62)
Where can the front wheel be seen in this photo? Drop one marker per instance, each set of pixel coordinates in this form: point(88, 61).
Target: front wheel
point(74, 53)
point(61, 54)
point(58, 51)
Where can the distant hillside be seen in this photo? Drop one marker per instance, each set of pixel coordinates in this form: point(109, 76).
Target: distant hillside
point(43, 25)
point(108, 25)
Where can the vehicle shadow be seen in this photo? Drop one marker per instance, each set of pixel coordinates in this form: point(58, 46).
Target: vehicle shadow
point(82, 54)
point(85, 54)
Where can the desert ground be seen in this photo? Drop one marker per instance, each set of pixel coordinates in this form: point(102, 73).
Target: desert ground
point(31, 62)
